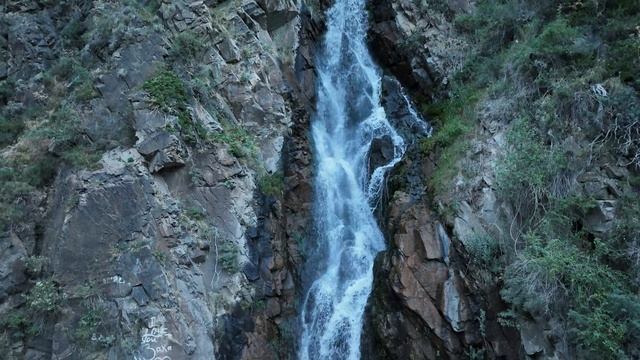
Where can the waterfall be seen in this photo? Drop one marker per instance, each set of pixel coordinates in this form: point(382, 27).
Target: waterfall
point(349, 116)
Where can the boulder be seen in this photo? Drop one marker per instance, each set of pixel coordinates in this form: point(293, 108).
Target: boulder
point(229, 51)
point(164, 151)
point(599, 220)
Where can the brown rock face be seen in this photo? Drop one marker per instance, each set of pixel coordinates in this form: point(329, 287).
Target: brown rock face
point(416, 274)
point(423, 305)
point(426, 303)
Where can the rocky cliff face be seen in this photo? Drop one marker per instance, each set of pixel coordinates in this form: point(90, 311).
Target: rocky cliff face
point(426, 303)
point(439, 289)
point(156, 194)
point(416, 41)
point(180, 240)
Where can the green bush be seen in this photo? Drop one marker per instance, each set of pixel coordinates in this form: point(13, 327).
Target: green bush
point(625, 237)
point(241, 143)
point(43, 297)
point(15, 320)
point(88, 324)
point(69, 76)
point(557, 38)
point(169, 94)
point(167, 91)
point(160, 256)
point(228, 253)
point(474, 353)
point(83, 157)
point(72, 33)
point(35, 264)
point(562, 269)
point(84, 87)
point(196, 214)
point(63, 129)
point(186, 46)
point(31, 164)
point(64, 68)
point(484, 250)
point(18, 321)
point(452, 119)
point(527, 170)
point(445, 136)
point(622, 106)
point(596, 331)
point(26, 173)
point(624, 59)
point(552, 275)
point(301, 243)
point(10, 129)
point(494, 25)
point(191, 130)
point(272, 184)
point(564, 215)
point(13, 187)
point(545, 57)
point(6, 90)
point(203, 81)
point(448, 166)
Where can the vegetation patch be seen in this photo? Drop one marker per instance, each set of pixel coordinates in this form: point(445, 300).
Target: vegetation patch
point(241, 143)
point(563, 76)
point(186, 45)
point(452, 119)
point(484, 251)
point(88, 324)
point(43, 297)
point(228, 256)
point(54, 140)
point(272, 184)
point(20, 322)
point(10, 129)
point(169, 94)
point(526, 172)
point(69, 76)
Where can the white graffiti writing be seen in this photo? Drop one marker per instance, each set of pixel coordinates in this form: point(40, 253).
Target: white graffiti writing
point(116, 279)
point(150, 353)
point(152, 349)
point(152, 335)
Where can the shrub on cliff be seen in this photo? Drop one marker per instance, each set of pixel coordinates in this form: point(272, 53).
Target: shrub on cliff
point(186, 46)
point(169, 94)
point(526, 172)
point(554, 276)
point(43, 297)
point(227, 253)
point(241, 143)
point(167, 91)
point(563, 76)
point(10, 129)
point(452, 119)
point(272, 184)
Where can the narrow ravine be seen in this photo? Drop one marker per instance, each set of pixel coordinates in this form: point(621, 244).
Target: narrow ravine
point(349, 116)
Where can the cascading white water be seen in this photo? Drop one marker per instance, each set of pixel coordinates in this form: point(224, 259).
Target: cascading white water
point(349, 116)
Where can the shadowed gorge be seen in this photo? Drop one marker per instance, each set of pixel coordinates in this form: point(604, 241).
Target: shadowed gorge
point(319, 179)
